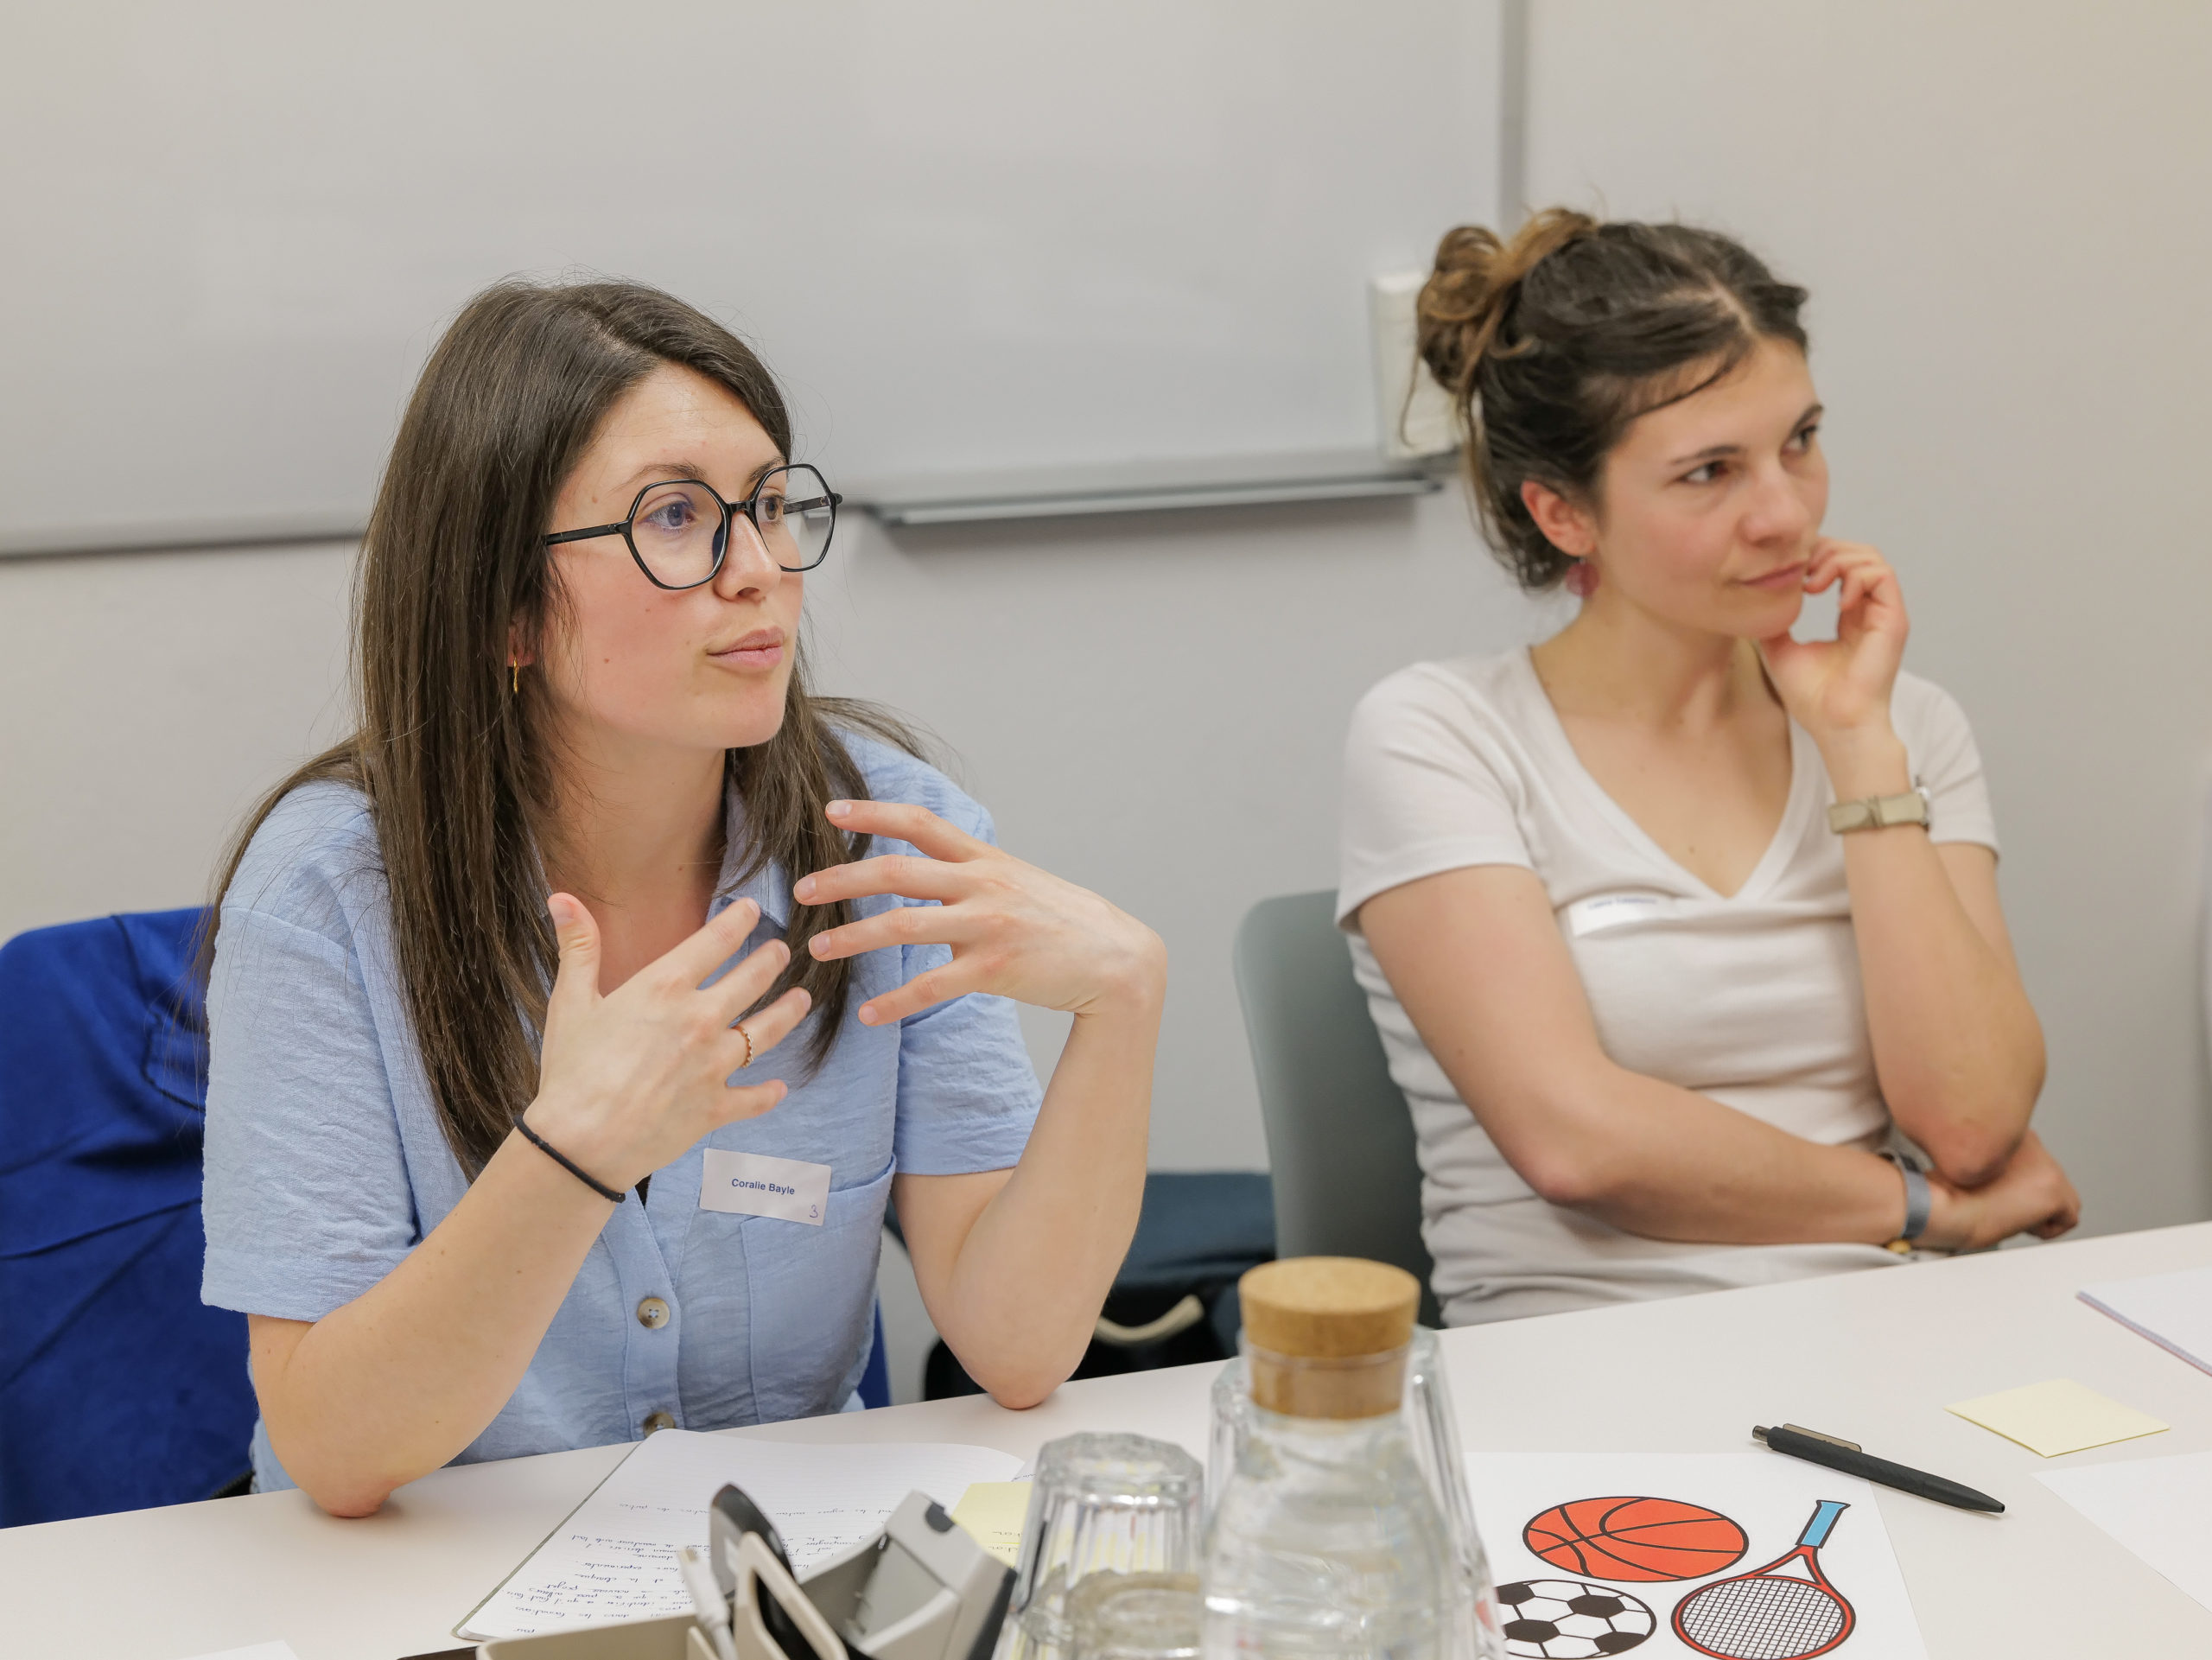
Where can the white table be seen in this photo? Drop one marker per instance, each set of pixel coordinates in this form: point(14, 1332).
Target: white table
point(1871, 1355)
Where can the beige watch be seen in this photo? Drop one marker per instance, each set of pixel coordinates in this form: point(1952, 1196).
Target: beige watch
point(1879, 813)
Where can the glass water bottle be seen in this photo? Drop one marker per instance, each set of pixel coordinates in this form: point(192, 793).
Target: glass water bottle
point(1339, 1524)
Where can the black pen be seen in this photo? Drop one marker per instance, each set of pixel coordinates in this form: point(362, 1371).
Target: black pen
point(1817, 1448)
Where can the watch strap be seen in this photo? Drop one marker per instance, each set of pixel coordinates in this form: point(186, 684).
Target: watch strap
point(1879, 813)
point(1919, 1202)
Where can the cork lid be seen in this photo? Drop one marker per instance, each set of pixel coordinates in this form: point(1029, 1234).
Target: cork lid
point(1328, 1308)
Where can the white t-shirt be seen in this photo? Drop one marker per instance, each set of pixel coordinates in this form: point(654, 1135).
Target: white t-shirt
point(1753, 1000)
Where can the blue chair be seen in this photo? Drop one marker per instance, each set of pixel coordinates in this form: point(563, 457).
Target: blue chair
point(118, 1388)
point(875, 1376)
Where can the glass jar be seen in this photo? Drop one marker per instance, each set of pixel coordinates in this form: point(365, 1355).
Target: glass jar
point(1339, 1521)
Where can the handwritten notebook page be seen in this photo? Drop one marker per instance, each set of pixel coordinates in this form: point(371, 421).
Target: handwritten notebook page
point(614, 1557)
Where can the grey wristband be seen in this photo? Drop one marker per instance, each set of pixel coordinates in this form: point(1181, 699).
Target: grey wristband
point(1917, 1200)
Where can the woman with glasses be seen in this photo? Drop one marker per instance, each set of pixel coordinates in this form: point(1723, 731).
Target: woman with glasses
point(574, 1020)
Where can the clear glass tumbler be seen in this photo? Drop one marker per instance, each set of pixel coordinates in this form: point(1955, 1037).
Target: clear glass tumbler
point(1114, 1505)
point(1136, 1617)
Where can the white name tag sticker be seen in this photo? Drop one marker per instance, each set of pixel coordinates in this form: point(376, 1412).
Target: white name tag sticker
point(1592, 916)
point(752, 1184)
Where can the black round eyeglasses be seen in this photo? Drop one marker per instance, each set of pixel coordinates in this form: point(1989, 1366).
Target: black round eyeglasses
point(679, 531)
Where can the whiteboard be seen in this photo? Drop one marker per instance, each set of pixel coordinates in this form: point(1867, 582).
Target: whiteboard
point(965, 234)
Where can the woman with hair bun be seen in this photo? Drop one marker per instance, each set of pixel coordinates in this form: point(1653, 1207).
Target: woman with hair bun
point(1682, 934)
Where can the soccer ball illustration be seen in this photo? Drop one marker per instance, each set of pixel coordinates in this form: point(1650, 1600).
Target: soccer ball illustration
point(1565, 1619)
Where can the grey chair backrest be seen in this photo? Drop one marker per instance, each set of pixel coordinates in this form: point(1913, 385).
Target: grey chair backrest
point(1340, 1140)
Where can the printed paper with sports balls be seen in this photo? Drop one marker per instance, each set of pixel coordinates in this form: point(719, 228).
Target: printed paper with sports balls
point(1728, 1556)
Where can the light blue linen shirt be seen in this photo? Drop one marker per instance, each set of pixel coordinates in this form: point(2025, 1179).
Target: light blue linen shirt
point(326, 1164)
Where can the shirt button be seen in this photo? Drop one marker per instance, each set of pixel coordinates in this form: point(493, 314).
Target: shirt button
point(652, 1313)
point(658, 1421)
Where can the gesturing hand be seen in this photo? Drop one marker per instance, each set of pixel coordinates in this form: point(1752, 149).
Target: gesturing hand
point(1832, 688)
point(1014, 930)
point(627, 1082)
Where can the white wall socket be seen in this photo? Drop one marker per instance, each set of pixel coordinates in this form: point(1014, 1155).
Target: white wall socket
point(1423, 422)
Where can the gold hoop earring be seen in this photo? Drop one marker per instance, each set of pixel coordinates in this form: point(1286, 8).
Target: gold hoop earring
point(514, 677)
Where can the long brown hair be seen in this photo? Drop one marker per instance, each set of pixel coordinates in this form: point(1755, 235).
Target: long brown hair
point(454, 765)
point(1552, 343)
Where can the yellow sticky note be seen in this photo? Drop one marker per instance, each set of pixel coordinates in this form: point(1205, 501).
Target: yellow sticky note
point(2060, 1417)
point(994, 1511)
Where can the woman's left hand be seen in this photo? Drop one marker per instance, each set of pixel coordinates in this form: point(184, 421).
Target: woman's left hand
point(1841, 688)
point(1015, 931)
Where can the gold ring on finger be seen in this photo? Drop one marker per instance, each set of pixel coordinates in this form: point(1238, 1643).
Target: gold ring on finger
point(748, 1036)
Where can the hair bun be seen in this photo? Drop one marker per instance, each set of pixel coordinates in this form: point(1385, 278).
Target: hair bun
point(1473, 284)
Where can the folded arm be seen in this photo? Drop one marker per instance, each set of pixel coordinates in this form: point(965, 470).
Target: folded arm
point(1477, 960)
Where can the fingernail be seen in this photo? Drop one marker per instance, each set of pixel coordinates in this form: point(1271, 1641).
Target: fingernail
point(868, 1015)
point(803, 888)
point(838, 809)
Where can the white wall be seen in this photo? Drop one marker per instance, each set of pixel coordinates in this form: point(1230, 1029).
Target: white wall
point(972, 234)
point(2000, 210)
point(144, 700)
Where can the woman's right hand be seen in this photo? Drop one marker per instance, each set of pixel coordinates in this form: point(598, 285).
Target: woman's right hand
point(2031, 1194)
point(628, 1081)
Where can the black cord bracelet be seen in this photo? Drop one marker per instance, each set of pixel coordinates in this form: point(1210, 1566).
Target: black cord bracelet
point(567, 1163)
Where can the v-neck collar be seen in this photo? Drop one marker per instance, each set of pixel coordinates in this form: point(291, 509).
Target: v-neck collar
point(769, 888)
point(1803, 781)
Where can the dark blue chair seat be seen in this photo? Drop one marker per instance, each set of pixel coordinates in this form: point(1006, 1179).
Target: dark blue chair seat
point(1174, 1302)
point(118, 1388)
point(875, 1376)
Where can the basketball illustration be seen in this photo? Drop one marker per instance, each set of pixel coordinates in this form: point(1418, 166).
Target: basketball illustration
point(1635, 1540)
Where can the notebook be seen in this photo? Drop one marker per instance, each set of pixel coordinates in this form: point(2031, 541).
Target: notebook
point(2173, 1310)
point(613, 1559)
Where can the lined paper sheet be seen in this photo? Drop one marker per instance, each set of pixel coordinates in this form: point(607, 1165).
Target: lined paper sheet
point(614, 1557)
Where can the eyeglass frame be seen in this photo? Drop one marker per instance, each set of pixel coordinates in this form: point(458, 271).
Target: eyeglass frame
point(750, 507)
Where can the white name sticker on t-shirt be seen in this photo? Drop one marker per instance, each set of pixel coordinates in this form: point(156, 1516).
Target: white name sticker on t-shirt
point(752, 1184)
point(1591, 916)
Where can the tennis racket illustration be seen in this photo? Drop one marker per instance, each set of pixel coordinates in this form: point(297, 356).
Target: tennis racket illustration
point(1769, 1614)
